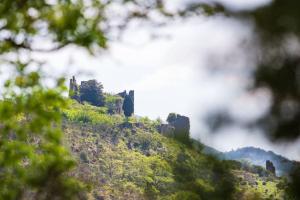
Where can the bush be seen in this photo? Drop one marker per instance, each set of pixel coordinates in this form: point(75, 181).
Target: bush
point(90, 114)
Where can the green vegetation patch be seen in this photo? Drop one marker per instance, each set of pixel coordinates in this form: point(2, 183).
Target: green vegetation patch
point(85, 113)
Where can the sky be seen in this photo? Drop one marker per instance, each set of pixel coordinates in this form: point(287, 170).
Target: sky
point(191, 67)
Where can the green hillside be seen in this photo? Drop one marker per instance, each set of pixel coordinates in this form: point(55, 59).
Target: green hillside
point(127, 158)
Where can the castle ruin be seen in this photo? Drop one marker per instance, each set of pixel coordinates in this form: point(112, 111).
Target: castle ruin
point(91, 91)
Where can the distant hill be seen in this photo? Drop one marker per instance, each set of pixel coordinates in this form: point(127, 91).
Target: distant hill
point(257, 156)
point(212, 151)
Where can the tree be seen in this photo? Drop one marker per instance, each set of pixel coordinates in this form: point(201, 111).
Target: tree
point(92, 92)
point(278, 32)
point(33, 162)
point(31, 153)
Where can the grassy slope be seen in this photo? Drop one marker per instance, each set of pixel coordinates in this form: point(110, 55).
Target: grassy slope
point(264, 187)
point(131, 160)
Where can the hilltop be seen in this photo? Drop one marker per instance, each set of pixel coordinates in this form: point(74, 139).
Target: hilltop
point(128, 157)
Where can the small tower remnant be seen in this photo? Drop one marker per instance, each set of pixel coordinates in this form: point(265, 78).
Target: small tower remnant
point(128, 103)
point(270, 167)
point(74, 89)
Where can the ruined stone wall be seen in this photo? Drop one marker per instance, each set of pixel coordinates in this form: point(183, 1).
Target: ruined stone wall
point(178, 126)
point(74, 89)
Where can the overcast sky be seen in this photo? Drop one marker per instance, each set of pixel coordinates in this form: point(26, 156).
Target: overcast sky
point(193, 67)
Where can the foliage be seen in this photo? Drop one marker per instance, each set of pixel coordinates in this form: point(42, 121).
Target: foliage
point(113, 103)
point(90, 114)
point(293, 186)
point(140, 160)
point(33, 161)
point(63, 22)
point(277, 28)
point(252, 186)
point(92, 92)
point(111, 98)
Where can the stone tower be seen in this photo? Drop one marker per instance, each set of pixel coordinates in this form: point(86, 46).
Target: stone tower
point(74, 89)
point(128, 103)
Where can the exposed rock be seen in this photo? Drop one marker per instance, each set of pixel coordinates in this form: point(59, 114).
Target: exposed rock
point(270, 167)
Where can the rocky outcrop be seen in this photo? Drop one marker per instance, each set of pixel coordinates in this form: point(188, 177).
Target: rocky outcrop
point(270, 167)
